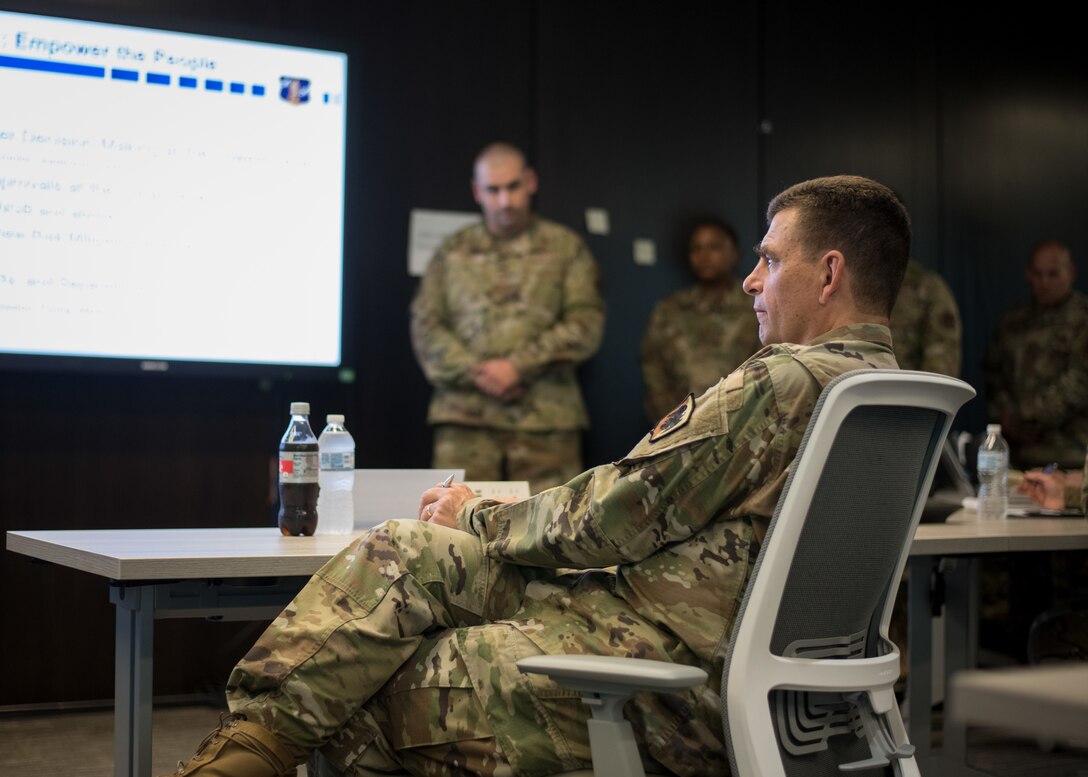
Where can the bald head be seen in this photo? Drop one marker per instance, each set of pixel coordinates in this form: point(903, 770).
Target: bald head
point(1051, 273)
point(496, 153)
point(504, 185)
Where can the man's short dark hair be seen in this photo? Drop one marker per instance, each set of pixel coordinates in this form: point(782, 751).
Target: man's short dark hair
point(865, 221)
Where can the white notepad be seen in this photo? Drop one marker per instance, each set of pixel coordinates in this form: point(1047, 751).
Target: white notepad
point(382, 494)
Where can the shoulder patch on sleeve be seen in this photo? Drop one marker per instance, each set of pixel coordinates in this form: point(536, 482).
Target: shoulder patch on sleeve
point(676, 419)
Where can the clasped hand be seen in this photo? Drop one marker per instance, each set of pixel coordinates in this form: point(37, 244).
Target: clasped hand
point(498, 378)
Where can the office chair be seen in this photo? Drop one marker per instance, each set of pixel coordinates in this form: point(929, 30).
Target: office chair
point(807, 687)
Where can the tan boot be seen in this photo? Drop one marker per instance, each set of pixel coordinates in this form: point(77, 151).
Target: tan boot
point(238, 748)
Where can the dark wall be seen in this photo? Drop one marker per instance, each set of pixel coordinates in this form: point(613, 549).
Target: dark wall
point(653, 111)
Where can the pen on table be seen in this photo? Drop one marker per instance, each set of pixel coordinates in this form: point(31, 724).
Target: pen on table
point(446, 483)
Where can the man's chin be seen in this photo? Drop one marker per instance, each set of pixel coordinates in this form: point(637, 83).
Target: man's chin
point(509, 227)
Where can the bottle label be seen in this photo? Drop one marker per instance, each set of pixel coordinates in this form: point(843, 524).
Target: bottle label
point(992, 459)
point(298, 466)
point(338, 461)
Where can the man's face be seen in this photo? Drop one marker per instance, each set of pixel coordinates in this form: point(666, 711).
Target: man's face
point(712, 254)
point(504, 188)
point(1051, 274)
point(786, 284)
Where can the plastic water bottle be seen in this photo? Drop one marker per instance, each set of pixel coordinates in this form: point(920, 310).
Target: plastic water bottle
point(335, 504)
point(993, 475)
point(298, 474)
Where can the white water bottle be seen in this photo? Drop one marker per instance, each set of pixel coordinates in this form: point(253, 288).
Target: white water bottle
point(993, 475)
point(337, 478)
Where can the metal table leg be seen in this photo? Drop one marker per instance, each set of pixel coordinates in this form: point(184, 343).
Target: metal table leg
point(133, 648)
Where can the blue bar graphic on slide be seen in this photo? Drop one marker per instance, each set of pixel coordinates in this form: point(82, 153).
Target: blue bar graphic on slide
point(47, 66)
point(118, 74)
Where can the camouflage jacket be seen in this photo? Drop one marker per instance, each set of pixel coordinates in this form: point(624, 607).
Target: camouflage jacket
point(681, 516)
point(926, 327)
point(1037, 377)
point(533, 299)
point(693, 340)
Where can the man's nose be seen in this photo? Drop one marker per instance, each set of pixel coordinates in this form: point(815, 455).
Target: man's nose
point(753, 283)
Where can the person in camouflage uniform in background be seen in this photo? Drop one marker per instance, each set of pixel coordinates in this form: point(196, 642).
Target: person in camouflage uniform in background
point(926, 328)
point(400, 652)
point(505, 312)
point(1037, 366)
point(1037, 388)
point(701, 333)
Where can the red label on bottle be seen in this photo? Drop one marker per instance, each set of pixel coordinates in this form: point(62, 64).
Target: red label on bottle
point(298, 466)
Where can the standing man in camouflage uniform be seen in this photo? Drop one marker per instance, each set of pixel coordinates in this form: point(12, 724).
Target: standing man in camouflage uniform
point(926, 327)
point(1037, 366)
point(699, 334)
point(401, 651)
point(506, 311)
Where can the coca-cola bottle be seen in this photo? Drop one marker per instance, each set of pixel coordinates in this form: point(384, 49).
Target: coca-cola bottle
point(299, 471)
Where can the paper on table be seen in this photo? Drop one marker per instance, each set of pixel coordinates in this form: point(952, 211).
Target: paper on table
point(1022, 507)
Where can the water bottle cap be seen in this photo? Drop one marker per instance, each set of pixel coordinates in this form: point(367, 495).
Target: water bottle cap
point(334, 418)
point(993, 428)
point(300, 408)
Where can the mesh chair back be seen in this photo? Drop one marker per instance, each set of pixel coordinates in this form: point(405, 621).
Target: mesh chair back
point(823, 584)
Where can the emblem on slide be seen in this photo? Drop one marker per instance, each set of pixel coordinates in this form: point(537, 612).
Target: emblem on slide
point(294, 90)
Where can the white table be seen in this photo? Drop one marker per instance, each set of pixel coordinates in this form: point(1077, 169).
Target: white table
point(230, 574)
point(240, 574)
point(1048, 701)
point(960, 541)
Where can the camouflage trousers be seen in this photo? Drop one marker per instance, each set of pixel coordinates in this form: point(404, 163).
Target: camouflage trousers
point(545, 459)
point(389, 659)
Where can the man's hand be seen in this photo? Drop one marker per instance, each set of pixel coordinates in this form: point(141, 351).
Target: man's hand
point(441, 504)
point(1046, 489)
point(498, 378)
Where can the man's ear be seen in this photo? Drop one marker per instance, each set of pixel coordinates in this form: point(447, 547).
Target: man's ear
point(529, 180)
point(833, 275)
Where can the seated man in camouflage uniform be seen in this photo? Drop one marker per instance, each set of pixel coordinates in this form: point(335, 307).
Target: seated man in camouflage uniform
point(400, 653)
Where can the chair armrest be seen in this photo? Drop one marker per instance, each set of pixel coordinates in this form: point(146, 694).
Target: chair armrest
point(606, 683)
point(613, 675)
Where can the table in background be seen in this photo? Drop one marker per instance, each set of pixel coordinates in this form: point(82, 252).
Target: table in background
point(960, 542)
point(1049, 701)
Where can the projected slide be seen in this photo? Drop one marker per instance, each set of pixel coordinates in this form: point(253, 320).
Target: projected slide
point(169, 196)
